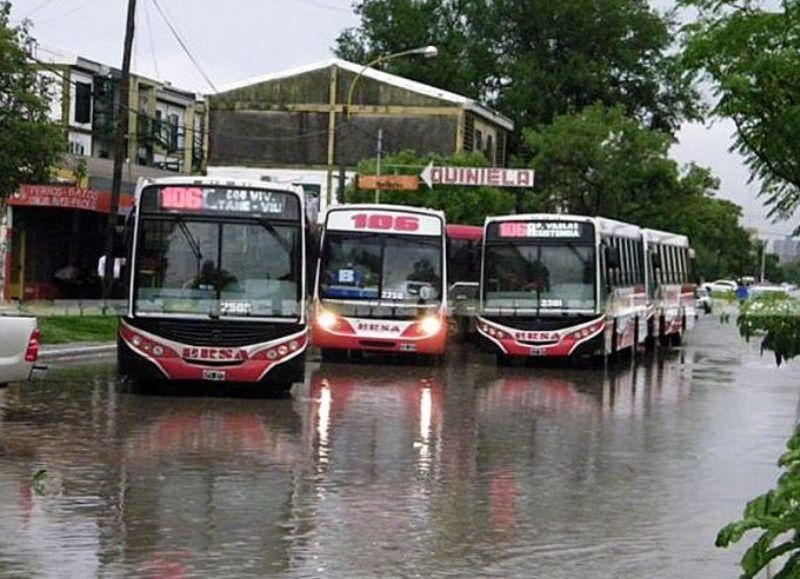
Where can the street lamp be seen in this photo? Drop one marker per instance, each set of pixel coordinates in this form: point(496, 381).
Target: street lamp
point(426, 51)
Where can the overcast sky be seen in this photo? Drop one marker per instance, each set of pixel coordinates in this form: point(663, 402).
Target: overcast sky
point(233, 40)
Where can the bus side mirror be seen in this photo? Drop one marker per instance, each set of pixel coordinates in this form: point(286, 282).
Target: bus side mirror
point(613, 259)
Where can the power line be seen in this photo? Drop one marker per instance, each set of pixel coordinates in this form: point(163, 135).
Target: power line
point(67, 13)
point(183, 46)
point(39, 7)
point(150, 36)
point(326, 6)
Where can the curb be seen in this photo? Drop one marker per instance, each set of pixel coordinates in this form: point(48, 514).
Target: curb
point(77, 353)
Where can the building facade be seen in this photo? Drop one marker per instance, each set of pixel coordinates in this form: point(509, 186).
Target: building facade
point(55, 232)
point(327, 117)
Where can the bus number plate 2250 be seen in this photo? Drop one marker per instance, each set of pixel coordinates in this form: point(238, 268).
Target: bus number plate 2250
point(215, 375)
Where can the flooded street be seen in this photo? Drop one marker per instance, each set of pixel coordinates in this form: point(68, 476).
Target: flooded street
point(399, 471)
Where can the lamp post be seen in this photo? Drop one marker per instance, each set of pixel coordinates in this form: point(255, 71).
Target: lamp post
point(426, 51)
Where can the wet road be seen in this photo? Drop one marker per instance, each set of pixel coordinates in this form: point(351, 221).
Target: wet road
point(398, 471)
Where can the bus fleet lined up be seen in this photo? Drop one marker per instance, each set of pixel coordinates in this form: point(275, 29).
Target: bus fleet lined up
point(218, 279)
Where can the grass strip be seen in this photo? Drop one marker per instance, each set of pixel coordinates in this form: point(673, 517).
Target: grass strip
point(65, 329)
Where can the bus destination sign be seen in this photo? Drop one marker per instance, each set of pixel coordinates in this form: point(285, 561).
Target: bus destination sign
point(228, 200)
point(541, 230)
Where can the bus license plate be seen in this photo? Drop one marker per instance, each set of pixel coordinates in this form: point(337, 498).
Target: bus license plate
point(215, 375)
point(538, 352)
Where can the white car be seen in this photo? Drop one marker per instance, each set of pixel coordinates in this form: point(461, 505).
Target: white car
point(702, 300)
point(721, 286)
point(19, 347)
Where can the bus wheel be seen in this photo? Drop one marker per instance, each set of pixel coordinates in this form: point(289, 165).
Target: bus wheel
point(504, 359)
point(677, 338)
point(273, 390)
point(432, 359)
point(332, 354)
point(650, 339)
point(663, 337)
point(614, 339)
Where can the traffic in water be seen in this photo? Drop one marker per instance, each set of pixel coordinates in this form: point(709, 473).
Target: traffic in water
point(389, 468)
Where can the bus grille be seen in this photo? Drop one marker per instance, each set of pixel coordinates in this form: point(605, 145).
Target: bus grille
point(214, 332)
point(542, 324)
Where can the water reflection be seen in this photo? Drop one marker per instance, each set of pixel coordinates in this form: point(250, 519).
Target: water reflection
point(464, 470)
point(209, 485)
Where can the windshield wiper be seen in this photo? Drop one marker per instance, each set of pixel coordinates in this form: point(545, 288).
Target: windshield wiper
point(193, 244)
point(287, 246)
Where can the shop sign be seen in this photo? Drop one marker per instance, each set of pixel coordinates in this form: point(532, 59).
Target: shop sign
point(66, 197)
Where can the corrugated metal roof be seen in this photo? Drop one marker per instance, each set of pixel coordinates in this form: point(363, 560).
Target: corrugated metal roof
point(379, 76)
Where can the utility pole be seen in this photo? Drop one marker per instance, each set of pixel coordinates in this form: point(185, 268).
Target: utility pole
point(120, 149)
point(379, 151)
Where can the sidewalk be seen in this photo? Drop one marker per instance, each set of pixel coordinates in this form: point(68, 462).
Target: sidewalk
point(75, 351)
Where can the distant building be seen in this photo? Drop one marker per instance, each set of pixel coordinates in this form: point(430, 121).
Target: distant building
point(60, 226)
point(787, 249)
point(300, 120)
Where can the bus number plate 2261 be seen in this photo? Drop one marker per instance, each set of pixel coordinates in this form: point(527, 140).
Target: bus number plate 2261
point(215, 375)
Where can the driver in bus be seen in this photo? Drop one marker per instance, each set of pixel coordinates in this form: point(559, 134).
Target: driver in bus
point(539, 277)
point(211, 278)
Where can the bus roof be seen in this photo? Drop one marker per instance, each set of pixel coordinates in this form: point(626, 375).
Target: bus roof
point(385, 207)
point(540, 217)
point(216, 182)
point(665, 237)
point(603, 224)
point(468, 232)
point(618, 228)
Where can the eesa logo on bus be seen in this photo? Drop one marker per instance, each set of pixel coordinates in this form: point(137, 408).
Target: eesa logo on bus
point(384, 222)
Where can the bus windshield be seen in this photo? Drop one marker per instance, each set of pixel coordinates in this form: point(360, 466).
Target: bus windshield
point(248, 267)
point(539, 277)
point(381, 267)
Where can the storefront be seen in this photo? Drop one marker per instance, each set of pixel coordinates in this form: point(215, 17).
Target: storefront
point(56, 236)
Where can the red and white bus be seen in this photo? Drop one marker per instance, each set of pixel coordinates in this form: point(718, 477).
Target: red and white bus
point(217, 283)
point(670, 289)
point(381, 281)
point(561, 285)
point(464, 274)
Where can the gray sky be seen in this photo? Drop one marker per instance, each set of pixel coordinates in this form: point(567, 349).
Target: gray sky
point(237, 39)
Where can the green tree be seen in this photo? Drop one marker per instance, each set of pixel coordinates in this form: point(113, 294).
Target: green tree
point(750, 53)
point(602, 162)
point(599, 162)
point(776, 515)
point(466, 205)
point(534, 59)
point(29, 142)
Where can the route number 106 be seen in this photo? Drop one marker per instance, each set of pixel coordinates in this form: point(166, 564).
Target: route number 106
point(385, 222)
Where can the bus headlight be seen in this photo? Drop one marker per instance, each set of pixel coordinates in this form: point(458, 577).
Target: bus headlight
point(326, 319)
point(430, 324)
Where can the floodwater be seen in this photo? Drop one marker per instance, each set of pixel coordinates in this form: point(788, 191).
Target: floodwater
point(399, 471)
